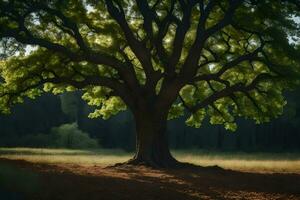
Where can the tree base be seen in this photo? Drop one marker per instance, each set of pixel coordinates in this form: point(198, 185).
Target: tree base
point(135, 164)
point(168, 164)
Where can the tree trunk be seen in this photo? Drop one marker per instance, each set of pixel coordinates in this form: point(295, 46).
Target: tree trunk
point(152, 147)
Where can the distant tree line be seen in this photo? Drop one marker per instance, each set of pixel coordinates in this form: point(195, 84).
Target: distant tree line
point(32, 124)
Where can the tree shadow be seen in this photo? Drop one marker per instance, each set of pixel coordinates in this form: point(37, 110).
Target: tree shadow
point(215, 181)
point(138, 182)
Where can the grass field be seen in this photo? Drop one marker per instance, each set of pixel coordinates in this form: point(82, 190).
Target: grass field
point(55, 174)
point(252, 162)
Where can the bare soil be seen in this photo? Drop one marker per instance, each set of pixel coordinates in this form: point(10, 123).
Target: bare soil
point(55, 182)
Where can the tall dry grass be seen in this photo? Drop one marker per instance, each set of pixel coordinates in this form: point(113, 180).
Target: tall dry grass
point(252, 162)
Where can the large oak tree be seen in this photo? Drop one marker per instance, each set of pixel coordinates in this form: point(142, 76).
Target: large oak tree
point(161, 59)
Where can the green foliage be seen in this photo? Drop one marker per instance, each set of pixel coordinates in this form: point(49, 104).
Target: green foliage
point(241, 69)
point(64, 136)
point(69, 136)
point(176, 111)
point(111, 106)
point(195, 120)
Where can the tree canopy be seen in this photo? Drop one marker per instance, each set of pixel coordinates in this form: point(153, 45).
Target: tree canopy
point(209, 58)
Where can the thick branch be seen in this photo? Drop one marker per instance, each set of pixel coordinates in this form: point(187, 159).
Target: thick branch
point(181, 30)
point(228, 91)
point(118, 88)
point(138, 48)
point(190, 66)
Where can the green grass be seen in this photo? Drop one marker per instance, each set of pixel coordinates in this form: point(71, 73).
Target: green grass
point(101, 157)
point(253, 162)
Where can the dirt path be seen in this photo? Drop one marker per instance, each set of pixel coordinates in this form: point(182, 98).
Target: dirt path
point(24, 180)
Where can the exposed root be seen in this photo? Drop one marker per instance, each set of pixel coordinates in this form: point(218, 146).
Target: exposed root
point(169, 164)
point(135, 163)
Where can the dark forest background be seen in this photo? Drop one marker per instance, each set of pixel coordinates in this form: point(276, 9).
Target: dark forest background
point(61, 121)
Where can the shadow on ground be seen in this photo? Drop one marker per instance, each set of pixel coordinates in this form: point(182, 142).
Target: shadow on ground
point(93, 182)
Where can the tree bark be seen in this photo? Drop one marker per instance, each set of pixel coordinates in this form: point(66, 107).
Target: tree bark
point(152, 147)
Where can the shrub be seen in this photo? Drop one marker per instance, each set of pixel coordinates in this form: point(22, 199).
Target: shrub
point(69, 136)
